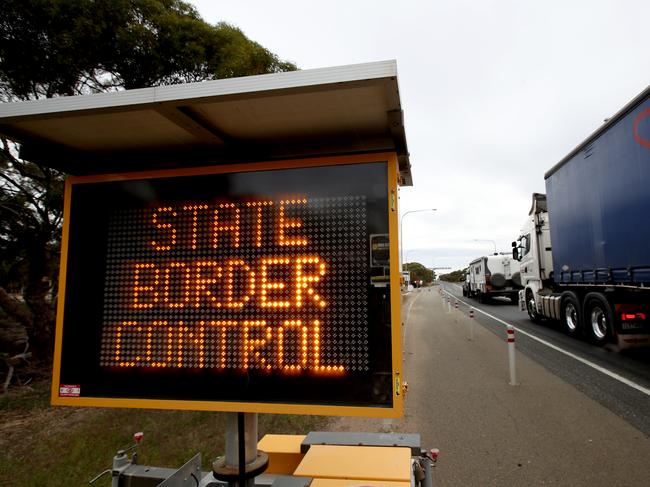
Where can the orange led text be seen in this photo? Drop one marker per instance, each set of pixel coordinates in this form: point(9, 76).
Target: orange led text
point(270, 282)
point(289, 346)
point(241, 224)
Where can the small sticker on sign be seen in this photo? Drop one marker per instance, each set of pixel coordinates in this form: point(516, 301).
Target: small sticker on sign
point(68, 390)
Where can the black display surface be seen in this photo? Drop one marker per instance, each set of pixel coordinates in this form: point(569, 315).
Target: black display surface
point(240, 287)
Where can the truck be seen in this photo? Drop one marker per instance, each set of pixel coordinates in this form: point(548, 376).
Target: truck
point(584, 250)
point(491, 276)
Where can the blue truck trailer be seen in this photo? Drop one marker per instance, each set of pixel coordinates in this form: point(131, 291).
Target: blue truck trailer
point(585, 248)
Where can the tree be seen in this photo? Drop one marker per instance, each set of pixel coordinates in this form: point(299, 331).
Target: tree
point(30, 224)
point(454, 276)
point(68, 47)
point(419, 273)
point(51, 48)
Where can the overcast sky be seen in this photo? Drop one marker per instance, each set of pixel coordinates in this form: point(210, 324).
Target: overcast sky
point(494, 94)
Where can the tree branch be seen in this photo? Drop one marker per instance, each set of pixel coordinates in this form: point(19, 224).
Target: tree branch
point(11, 362)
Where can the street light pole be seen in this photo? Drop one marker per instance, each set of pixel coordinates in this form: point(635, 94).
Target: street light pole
point(401, 233)
point(487, 240)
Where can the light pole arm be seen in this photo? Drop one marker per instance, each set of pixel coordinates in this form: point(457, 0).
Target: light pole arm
point(401, 233)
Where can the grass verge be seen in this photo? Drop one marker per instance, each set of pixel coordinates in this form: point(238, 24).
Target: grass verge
point(42, 445)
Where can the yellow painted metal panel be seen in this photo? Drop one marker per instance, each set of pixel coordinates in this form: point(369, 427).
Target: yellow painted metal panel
point(356, 462)
point(395, 295)
point(284, 452)
point(281, 443)
point(234, 407)
point(58, 337)
point(391, 157)
point(356, 483)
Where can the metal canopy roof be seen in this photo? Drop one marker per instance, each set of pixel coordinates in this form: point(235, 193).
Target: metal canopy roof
point(316, 112)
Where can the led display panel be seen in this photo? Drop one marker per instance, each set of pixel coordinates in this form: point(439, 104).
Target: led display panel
point(247, 288)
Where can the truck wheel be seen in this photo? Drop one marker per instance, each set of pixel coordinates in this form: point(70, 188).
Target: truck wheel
point(531, 308)
point(570, 313)
point(598, 318)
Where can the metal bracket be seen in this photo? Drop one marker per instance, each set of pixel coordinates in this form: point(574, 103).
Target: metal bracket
point(189, 475)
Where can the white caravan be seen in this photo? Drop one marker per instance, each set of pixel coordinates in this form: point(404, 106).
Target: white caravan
point(493, 275)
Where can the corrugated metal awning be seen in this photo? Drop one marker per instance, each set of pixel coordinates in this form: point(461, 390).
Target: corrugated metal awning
point(317, 112)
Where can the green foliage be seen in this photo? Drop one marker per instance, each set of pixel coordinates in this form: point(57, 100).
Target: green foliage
point(68, 47)
point(419, 273)
point(241, 57)
point(455, 276)
point(52, 48)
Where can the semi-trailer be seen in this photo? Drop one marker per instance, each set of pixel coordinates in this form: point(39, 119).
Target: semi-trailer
point(584, 251)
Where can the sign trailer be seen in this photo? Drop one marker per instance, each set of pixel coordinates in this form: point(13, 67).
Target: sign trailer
point(231, 245)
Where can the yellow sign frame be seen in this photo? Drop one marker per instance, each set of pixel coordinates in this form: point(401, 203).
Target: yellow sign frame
point(395, 411)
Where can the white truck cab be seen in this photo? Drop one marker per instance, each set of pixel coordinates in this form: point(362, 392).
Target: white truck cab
point(533, 251)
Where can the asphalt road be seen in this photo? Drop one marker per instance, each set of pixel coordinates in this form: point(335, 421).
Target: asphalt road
point(565, 423)
point(621, 398)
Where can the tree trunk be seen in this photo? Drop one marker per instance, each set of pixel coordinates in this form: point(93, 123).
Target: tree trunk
point(13, 329)
point(41, 332)
point(41, 335)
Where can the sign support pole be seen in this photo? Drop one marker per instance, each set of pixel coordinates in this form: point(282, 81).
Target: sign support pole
point(242, 461)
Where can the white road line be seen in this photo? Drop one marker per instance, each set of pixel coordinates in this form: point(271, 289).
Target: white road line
point(408, 314)
point(594, 366)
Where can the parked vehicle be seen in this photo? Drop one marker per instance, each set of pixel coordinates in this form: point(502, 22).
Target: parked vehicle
point(493, 275)
point(584, 250)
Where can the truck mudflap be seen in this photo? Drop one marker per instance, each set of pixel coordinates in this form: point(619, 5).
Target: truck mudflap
point(632, 341)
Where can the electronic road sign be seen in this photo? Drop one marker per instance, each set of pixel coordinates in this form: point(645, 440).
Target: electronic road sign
point(235, 288)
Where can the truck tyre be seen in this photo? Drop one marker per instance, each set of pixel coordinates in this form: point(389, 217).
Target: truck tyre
point(531, 307)
point(598, 318)
point(571, 314)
